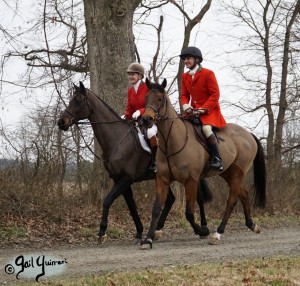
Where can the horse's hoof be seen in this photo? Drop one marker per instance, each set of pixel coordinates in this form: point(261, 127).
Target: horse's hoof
point(203, 232)
point(146, 244)
point(158, 234)
point(255, 228)
point(215, 239)
point(102, 239)
point(137, 241)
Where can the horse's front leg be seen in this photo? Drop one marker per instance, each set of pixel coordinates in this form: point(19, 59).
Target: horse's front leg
point(163, 216)
point(119, 186)
point(160, 199)
point(191, 188)
point(202, 189)
point(234, 177)
point(128, 196)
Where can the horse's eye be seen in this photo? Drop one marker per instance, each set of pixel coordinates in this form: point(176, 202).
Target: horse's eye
point(78, 99)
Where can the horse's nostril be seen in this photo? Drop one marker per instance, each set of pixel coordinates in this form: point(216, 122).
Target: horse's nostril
point(60, 122)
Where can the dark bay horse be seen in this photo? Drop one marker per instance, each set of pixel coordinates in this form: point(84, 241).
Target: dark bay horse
point(124, 158)
point(181, 158)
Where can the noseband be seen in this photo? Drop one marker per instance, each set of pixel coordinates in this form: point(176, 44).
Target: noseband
point(158, 110)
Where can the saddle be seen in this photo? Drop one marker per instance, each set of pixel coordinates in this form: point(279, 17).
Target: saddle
point(143, 130)
point(197, 125)
point(140, 135)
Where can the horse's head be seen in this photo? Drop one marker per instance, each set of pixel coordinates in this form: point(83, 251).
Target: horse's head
point(77, 109)
point(155, 101)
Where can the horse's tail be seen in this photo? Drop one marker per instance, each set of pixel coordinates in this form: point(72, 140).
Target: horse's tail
point(204, 191)
point(260, 176)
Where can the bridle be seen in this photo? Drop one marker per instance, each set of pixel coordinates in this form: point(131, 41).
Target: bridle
point(73, 117)
point(159, 117)
point(73, 121)
point(157, 111)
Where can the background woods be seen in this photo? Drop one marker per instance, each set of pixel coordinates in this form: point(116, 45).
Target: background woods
point(253, 48)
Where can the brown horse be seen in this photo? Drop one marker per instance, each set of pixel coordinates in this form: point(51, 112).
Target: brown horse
point(181, 158)
point(124, 158)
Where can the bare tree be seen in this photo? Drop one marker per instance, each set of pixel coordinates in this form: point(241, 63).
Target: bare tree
point(269, 36)
point(64, 46)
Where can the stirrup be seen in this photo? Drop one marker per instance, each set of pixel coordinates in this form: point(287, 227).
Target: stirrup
point(217, 164)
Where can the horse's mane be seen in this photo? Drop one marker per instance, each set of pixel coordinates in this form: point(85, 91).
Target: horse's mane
point(106, 104)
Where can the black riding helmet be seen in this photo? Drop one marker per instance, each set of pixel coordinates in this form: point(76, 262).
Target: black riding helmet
point(191, 51)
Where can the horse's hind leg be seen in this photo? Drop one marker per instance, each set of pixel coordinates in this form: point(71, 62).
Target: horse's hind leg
point(115, 192)
point(244, 198)
point(128, 196)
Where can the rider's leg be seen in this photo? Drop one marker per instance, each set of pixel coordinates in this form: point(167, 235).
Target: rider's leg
point(151, 134)
point(214, 147)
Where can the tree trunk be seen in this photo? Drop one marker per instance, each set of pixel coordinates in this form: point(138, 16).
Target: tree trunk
point(110, 50)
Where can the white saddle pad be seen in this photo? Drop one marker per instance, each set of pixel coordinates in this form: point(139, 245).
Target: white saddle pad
point(143, 141)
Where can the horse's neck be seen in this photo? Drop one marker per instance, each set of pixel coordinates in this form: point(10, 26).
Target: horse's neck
point(105, 131)
point(172, 130)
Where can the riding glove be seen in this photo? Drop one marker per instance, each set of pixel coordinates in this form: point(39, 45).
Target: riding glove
point(136, 114)
point(187, 108)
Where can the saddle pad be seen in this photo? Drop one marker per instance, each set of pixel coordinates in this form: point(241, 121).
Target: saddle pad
point(143, 141)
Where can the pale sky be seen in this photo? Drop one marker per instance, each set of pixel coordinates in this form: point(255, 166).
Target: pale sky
point(206, 36)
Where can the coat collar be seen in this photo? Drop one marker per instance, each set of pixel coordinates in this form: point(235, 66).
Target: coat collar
point(197, 74)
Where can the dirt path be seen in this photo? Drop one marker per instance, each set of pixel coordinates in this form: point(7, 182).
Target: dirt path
point(183, 249)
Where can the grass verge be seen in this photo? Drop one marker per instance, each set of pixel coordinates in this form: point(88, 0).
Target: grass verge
point(278, 271)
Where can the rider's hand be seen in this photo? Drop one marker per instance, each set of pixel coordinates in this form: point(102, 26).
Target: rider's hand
point(123, 117)
point(202, 110)
point(187, 108)
point(136, 114)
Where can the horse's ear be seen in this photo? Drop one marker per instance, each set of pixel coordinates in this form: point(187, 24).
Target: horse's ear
point(164, 83)
point(148, 83)
point(76, 87)
point(82, 88)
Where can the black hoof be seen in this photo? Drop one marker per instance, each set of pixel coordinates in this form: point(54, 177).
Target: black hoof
point(203, 231)
point(137, 241)
point(146, 243)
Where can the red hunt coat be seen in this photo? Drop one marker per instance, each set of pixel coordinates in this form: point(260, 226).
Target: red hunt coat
point(136, 100)
point(203, 90)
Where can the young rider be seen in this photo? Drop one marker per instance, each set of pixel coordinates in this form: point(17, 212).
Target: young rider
point(136, 105)
point(200, 90)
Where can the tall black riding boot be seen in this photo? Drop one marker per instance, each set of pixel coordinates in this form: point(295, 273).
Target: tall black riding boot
point(152, 167)
point(214, 148)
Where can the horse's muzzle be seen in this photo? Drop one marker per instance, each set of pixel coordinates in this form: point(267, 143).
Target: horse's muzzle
point(62, 125)
point(148, 121)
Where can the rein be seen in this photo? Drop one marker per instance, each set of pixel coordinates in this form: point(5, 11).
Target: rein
point(78, 122)
point(158, 117)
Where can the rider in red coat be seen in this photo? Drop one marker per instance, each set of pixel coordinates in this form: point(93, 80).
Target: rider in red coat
point(200, 90)
point(136, 100)
point(136, 103)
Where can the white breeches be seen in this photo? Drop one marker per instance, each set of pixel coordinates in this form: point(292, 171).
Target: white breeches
point(152, 131)
point(207, 130)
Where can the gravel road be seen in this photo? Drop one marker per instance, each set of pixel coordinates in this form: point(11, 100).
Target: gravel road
point(174, 249)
